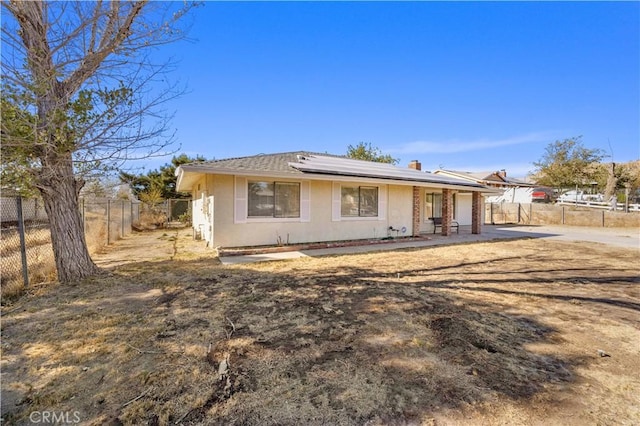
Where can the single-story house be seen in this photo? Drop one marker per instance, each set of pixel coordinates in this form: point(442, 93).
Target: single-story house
point(303, 197)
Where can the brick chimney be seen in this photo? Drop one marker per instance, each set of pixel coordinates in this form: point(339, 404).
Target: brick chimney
point(415, 165)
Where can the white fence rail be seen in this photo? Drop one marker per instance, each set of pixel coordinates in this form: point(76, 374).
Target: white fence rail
point(600, 205)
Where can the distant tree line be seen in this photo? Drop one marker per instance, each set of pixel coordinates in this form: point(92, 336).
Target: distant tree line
point(367, 152)
point(568, 163)
point(160, 183)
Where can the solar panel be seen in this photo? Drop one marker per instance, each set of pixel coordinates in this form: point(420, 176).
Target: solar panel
point(360, 168)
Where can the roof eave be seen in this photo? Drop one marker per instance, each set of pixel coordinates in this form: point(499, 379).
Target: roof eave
point(405, 181)
point(187, 175)
point(237, 172)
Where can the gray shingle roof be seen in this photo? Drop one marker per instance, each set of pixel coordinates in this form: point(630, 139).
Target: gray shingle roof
point(313, 164)
point(259, 163)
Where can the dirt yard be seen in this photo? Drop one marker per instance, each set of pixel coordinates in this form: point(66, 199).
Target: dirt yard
point(517, 332)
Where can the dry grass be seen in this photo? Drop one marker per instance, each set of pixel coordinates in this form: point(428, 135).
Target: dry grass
point(150, 219)
point(95, 233)
point(40, 258)
point(490, 333)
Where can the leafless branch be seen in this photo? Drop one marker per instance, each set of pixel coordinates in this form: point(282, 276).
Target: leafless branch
point(233, 329)
point(137, 397)
point(85, 95)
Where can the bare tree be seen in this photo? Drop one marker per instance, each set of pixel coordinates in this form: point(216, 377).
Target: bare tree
point(85, 94)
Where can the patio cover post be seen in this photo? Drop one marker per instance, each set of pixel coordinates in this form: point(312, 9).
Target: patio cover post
point(416, 211)
point(447, 211)
point(476, 212)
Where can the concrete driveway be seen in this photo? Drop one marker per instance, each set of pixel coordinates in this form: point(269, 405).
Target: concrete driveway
point(620, 237)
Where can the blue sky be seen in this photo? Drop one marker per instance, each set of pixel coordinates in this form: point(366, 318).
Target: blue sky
point(466, 86)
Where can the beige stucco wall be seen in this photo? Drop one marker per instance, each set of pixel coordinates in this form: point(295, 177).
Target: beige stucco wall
point(320, 227)
point(463, 208)
point(400, 209)
point(202, 223)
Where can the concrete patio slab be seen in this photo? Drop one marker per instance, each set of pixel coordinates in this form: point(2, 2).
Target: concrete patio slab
point(620, 237)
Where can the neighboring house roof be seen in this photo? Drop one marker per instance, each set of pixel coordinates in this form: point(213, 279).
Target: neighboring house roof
point(486, 178)
point(518, 182)
point(315, 166)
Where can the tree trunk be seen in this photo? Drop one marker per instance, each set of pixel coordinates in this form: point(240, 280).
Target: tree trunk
point(60, 192)
point(612, 181)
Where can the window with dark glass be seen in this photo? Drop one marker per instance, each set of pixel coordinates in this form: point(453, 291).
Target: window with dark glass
point(433, 205)
point(359, 201)
point(273, 199)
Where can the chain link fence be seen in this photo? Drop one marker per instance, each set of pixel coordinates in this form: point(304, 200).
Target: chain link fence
point(167, 213)
point(179, 210)
point(25, 242)
point(107, 220)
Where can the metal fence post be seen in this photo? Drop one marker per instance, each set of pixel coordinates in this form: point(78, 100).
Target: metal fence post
point(23, 243)
point(122, 219)
point(165, 207)
point(108, 221)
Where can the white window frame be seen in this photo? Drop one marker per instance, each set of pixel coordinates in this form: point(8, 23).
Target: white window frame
point(429, 215)
point(336, 210)
point(273, 203)
point(241, 201)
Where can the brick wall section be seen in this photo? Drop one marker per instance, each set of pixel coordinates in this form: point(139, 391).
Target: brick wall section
point(447, 211)
point(476, 213)
point(416, 211)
